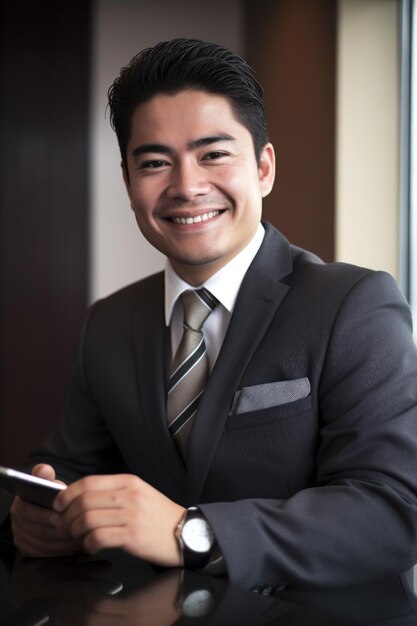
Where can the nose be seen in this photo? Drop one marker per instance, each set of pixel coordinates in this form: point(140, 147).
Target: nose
point(188, 180)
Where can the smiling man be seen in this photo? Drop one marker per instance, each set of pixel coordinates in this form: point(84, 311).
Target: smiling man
point(196, 190)
point(252, 410)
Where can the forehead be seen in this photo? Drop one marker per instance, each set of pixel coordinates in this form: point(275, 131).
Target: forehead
point(185, 116)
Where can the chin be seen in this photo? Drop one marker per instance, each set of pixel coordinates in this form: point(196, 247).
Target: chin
point(198, 259)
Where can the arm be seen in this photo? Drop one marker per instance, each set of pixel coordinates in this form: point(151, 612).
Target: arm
point(359, 521)
point(104, 506)
point(78, 446)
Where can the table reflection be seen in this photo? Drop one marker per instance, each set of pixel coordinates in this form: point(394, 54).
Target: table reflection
point(115, 589)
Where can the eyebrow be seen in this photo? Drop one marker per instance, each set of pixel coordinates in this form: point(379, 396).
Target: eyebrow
point(206, 141)
point(161, 148)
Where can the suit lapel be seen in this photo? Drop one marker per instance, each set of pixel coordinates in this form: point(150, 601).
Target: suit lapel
point(259, 297)
point(151, 339)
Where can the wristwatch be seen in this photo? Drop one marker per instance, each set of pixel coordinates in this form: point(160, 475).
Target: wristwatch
point(196, 539)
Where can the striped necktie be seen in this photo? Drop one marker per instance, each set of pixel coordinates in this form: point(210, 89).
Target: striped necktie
point(189, 369)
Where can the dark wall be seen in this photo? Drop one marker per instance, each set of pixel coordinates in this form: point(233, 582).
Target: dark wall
point(292, 46)
point(44, 70)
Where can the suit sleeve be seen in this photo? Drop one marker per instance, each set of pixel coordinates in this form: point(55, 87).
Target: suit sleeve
point(359, 521)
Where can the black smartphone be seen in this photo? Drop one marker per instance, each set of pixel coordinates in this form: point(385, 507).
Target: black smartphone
point(31, 488)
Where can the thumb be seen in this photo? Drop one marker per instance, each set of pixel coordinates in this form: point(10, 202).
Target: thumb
point(42, 470)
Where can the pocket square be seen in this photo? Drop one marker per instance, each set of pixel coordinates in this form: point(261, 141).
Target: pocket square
point(265, 396)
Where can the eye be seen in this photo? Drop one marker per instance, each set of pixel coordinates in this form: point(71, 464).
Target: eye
point(156, 163)
point(211, 156)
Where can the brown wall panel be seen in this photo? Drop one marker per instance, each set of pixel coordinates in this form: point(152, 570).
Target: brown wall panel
point(43, 212)
point(292, 46)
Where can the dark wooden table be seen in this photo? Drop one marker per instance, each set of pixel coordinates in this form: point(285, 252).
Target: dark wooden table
point(113, 589)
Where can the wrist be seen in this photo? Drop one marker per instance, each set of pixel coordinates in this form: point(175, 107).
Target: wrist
point(195, 539)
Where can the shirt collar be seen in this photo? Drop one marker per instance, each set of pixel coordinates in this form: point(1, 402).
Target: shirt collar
point(224, 284)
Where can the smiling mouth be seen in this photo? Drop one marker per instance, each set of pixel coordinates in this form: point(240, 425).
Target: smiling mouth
point(195, 220)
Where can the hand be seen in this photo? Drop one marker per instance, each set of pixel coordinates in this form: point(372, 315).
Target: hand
point(120, 511)
point(33, 533)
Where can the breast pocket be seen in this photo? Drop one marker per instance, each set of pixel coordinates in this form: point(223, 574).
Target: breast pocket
point(267, 451)
point(269, 402)
point(270, 415)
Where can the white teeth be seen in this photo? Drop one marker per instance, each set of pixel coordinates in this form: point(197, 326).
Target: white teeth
point(197, 218)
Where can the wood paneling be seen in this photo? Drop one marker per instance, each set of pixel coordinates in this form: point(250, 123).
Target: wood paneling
point(292, 46)
point(43, 212)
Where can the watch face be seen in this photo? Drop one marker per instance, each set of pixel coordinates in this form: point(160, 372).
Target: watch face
point(197, 535)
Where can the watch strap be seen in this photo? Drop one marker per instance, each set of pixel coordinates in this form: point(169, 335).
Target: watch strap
point(192, 559)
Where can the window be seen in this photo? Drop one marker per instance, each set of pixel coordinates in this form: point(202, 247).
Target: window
point(413, 167)
point(408, 160)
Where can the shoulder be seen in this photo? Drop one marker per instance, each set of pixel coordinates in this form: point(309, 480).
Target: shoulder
point(117, 309)
point(323, 285)
point(343, 278)
point(304, 268)
point(151, 287)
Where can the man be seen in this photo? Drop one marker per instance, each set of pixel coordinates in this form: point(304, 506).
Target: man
point(301, 458)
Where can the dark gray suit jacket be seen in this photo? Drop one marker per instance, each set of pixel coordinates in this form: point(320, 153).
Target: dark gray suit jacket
point(308, 483)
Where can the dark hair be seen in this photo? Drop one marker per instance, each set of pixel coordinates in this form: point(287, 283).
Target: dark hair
point(170, 67)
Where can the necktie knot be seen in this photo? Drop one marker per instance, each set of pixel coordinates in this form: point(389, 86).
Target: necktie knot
point(197, 307)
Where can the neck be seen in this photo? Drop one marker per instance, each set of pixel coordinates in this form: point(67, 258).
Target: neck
point(195, 275)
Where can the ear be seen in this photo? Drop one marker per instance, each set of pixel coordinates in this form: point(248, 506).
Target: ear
point(126, 179)
point(267, 169)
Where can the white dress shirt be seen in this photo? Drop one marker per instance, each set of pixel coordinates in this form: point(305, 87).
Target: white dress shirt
point(224, 285)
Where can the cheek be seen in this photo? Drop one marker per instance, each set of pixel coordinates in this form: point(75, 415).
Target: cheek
point(148, 228)
point(141, 216)
point(142, 201)
point(145, 223)
point(243, 184)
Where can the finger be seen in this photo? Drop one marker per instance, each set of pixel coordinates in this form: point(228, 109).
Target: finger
point(48, 533)
point(33, 545)
point(85, 506)
point(91, 500)
point(112, 482)
point(106, 537)
point(79, 526)
point(43, 470)
point(30, 513)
